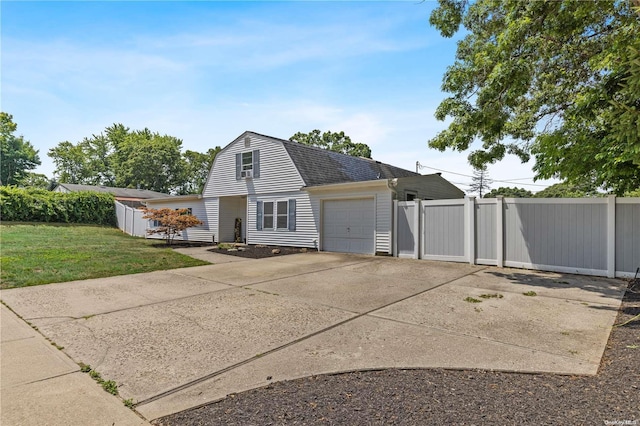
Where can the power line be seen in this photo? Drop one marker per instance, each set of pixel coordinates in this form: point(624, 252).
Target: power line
point(512, 181)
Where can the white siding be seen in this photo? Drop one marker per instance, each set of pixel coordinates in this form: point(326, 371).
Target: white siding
point(306, 233)
point(277, 172)
point(197, 233)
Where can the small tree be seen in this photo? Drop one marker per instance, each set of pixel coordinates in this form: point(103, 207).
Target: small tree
point(171, 222)
point(480, 182)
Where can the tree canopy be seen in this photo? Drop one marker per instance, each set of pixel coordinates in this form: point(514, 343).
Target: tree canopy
point(556, 79)
point(17, 156)
point(132, 158)
point(333, 141)
point(509, 192)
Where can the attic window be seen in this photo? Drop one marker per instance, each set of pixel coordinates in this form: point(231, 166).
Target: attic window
point(247, 142)
point(247, 161)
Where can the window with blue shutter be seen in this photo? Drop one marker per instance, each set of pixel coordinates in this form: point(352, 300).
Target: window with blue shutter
point(259, 216)
point(256, 163)
point(292, 215)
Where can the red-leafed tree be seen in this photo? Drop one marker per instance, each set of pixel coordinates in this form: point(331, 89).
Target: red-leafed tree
point(170, 222)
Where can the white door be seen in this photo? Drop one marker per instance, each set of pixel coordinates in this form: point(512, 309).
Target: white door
point(348, 226)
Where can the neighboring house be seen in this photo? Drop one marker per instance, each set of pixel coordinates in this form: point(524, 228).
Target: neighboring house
point(127, 196)
point(264, 190)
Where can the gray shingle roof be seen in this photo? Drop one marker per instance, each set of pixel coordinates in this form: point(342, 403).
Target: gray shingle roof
point(117, 192)
point(319, 166)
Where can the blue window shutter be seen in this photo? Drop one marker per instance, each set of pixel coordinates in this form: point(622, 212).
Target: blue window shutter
point(292, 214)
point(238, 165)
point(256, 163)
point(259, 215)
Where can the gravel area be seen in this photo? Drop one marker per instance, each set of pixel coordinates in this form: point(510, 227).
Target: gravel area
point(446, 397)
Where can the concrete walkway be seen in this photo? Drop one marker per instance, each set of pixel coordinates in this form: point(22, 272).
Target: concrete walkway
point(177, 339)
point(41, 385)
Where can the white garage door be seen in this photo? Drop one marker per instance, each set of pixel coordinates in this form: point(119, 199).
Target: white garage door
point(348, 226)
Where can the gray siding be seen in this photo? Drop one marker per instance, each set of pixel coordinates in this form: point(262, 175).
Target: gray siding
point(427, 187)
point(278, 174)
point(486, 232)
point(556, 234)
point(443, 230)
point(627, 236)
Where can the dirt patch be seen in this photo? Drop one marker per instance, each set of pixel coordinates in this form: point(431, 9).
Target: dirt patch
point(258, 251)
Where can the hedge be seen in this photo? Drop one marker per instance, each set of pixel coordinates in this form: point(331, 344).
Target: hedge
point(39, 205)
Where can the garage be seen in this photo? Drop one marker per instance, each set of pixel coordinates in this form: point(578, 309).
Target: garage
point(348, 226)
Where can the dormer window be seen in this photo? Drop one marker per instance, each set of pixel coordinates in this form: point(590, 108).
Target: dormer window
point(248, 164)
point(247, 161)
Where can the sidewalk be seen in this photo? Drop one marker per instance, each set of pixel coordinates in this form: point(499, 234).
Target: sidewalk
point(39, 384)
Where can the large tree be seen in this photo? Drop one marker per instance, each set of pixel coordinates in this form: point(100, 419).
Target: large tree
point(557, 79)
point(333, 141)
point(132, 158)
point(17, 156)
point(196, 169)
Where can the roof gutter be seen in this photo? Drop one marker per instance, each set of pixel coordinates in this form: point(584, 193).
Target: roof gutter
point(367, 184)
point(176, 198)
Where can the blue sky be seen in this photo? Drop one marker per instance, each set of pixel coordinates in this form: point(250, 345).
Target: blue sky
point(207, 71)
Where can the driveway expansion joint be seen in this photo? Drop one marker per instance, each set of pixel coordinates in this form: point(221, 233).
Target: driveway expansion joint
point(291, 343)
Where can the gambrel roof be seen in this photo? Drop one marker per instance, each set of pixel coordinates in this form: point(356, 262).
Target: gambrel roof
point(319, 166)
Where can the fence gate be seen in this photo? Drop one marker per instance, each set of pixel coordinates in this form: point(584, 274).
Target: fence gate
point(407, 228)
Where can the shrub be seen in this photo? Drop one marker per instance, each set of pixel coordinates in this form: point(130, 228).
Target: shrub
point(38, 205)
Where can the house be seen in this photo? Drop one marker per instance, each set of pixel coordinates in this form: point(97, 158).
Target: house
point(265, 190)
point(127, 196)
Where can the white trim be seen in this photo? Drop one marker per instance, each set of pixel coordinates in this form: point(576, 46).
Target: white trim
point(451, 202)
point(628, 200)
point(499, 232)
point(381, 183)
point(461, 259)
point(554, 268)
point(493, 262)
point(611, 236)
point(187, 197)
point(394, 239)
point(556, 200)
point(470, 229)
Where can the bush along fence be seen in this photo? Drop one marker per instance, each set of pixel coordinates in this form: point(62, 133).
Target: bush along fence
point(589, 236)
point(38, 205)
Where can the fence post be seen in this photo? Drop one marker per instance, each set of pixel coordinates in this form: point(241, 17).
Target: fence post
point(394, 242)
point(416, 226)
point(470, 229)
point(611, 236)
point(499, 231)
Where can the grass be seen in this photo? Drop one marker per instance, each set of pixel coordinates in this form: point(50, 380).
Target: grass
point(37, 253)
point(530, 293)
point(472, 300)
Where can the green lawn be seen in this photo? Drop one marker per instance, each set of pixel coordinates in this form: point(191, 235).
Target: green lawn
point(36, 253)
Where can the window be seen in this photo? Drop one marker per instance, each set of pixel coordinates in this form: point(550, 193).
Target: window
point(247, 161)
point(189, 211)
point(276, 215)
point(283, 215)
point(248, 164)
point(267, 221)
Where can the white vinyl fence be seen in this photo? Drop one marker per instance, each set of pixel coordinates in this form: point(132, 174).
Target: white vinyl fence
point(590, 236)
point(130, 220)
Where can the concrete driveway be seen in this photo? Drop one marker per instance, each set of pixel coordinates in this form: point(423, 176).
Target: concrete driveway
point(177, 339)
